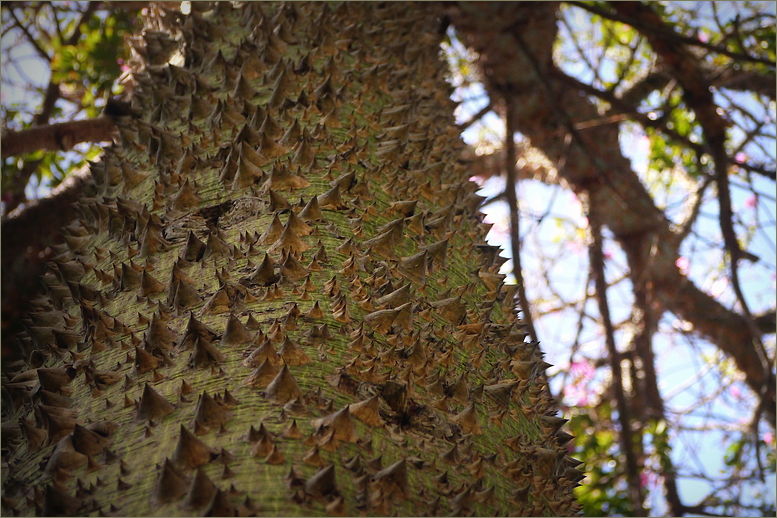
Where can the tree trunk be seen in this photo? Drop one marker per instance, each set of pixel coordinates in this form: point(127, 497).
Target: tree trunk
point(281, 301)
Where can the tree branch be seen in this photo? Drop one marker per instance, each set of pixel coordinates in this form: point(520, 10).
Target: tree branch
point(745, 80)
point(32, 41)
point(620, 106)
point(766, 322)
point(640, 90)
point(515, 234)
point(695, 209)
point(57, 137)
point(668, 33)
point(479, 115)
point(627, 107)
point(698, 96)
point(22, 178)
point(648, 312)
point(626, 436)
point(639, 219)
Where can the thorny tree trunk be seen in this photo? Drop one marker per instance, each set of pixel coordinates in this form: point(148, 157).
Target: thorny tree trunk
point(279, 300)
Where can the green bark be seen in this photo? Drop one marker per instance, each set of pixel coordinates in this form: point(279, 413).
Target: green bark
point(278, 300)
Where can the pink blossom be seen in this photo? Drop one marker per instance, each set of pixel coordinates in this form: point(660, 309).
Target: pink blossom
point(740, 157)
point(683, 263)
point(648, 478)
point(768, 437)
point(751, 202)
point(478, 180)
point(582, 369)
point(576, 395)
point(735, 391)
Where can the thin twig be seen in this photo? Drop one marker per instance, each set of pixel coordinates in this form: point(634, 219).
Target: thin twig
point(56, 22)
point(515, 234)
point(479, 115)
point(626, 437)
point(695, 209)
point(30, 39)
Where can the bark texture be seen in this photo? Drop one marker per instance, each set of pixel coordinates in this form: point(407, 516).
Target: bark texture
point(280, 301)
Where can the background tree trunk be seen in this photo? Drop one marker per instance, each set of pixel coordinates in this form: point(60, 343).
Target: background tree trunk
point(280, 300)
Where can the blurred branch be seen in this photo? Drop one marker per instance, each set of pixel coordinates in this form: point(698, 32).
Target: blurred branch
point(479, 115)
point(515, 234)
point(639, 218)
point(647, 311)
point(52, 92)
point(745, 80)
point(639, 91)
point(57, 24)
point(766, 322)
point(699, 509)
point(619, 105)
point(596, 256)
point(698, 96)
point(629, 109)
point(665, 32)
point(756, 168)
point(695, 209)
point(22, 178)
point(32, 41)
point(57, 137)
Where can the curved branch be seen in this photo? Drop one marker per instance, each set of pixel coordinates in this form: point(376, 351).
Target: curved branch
point(667, 33)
